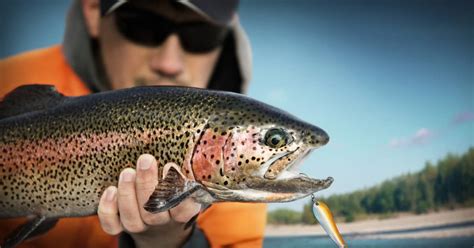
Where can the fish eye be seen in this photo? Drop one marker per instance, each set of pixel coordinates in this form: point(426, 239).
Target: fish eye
point(276, 138)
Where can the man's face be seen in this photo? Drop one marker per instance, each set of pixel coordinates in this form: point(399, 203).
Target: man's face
point(129, 63)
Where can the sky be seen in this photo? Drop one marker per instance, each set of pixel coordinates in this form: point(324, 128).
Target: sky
point(392, 82)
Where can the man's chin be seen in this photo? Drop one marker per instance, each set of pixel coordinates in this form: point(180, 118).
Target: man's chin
point(143, 82)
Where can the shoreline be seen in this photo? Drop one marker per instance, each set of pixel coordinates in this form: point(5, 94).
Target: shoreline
point(442, 224)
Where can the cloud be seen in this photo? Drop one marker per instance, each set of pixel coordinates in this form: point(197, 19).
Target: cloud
point(422, 136)
point(463, 117)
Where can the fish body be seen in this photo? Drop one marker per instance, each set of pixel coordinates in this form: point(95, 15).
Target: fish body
point(326, 220)
point(58, 154)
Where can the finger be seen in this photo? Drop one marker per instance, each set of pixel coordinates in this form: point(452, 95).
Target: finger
point(108, 212)
point(185, 210)
point(146, 181)
point(127, 202)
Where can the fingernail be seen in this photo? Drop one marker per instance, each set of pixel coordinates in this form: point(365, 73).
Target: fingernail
point(127, 176)
point(110, 194)
point(144, 163)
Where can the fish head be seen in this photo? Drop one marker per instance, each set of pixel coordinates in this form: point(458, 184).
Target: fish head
point(251, 153)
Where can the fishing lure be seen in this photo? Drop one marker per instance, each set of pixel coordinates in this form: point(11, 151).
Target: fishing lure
point(324, 216)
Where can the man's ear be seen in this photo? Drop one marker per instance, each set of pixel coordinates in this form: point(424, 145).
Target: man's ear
point(91, 12)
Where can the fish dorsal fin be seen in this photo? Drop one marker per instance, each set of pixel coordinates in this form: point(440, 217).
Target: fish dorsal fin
point(29, 98)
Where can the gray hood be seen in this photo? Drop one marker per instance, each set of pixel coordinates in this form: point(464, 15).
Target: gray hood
point(232, 71)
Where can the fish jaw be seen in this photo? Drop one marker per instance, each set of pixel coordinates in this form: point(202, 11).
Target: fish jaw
point(263, 190)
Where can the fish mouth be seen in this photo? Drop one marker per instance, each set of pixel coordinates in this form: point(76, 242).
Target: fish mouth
point(284, 165)
point(280, 175)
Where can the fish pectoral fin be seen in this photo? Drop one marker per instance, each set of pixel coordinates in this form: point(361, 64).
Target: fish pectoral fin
point(170, 191)
point(35, 227)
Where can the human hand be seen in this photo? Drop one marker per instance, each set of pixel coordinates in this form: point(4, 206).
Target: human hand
point(121, 209)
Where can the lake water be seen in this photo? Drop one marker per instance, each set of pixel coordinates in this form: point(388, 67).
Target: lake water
point(308, 241)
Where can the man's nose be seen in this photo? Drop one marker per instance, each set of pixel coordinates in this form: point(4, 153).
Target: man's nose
point(168, 59)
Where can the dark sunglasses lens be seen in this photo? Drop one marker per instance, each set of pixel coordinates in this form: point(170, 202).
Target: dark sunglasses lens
point(150, 29)
point(142, 27)
point(201, 37)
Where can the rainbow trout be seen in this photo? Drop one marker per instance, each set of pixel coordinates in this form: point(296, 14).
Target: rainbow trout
point(58, 154)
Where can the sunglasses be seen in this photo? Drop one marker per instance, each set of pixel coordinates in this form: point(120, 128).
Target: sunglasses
point(150, 29)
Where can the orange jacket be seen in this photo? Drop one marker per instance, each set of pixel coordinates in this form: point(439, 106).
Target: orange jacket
point(225, 224)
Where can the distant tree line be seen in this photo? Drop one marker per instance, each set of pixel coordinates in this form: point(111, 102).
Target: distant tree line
point(448, 184)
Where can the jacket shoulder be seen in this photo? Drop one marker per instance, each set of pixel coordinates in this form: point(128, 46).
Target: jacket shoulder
point(41, 66)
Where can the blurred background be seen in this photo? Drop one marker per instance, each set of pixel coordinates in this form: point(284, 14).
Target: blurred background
point(392, 82)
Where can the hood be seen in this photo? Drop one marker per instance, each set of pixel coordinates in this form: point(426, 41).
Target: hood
point(231, 73)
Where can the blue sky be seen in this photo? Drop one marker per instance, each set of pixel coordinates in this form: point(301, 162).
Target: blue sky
point(392, 82)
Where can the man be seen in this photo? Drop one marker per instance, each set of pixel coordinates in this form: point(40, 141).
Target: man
point(112, 44)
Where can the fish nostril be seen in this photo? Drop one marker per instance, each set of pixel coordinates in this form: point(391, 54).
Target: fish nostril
point(318, 138)
point(326, 139)
point(322, 138)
